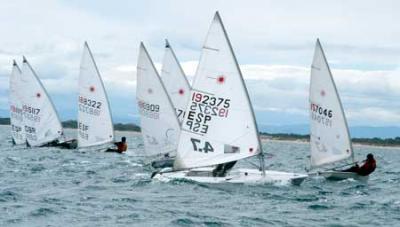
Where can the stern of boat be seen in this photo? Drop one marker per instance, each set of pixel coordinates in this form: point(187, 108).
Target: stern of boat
point(338, 176)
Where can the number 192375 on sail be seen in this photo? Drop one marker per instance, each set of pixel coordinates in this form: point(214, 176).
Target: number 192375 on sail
point(203, 108)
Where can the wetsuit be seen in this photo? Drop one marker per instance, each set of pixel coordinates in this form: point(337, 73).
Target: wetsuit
point(70, 144)
point(368, 167)
point(222, 169)
point(121, 147)
point(365, 170)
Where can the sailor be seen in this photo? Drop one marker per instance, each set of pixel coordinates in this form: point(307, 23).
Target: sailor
point(121, 146)
point(165, 162)
point(68, 144)
point(221, 169)
point(366, 169)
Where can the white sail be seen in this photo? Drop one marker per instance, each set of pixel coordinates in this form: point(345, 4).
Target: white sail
point(159, 123)
point(329, 135)
point(42, 124)
point(95, 126)
point(175, 82)
point(219, 125)
point(16, 113)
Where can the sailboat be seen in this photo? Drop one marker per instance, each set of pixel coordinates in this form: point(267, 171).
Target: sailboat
point(95, 125)
point(42, 124)
point(160, 127)
point(175, 82)
point(16, 113)
point(219, 127)
point(329, 134)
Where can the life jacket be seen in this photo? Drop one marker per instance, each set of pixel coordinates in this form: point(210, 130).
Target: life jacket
point(368, 167)
point(122, 147)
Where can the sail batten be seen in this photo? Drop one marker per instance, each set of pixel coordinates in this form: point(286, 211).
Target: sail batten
point(95, 125)
point(219, 125)
point(160, 127)
point(41, 121)
point(329, 138)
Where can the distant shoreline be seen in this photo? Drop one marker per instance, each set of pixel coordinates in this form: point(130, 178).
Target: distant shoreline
point(374, 142)
point(355, 141)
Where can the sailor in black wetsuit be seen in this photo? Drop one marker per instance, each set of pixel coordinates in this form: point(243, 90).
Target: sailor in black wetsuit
point(121, 147)
point(221, 169)
point(165, 162)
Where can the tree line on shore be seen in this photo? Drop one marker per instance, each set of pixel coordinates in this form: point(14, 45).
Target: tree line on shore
point(387, 142)
point(276, 136)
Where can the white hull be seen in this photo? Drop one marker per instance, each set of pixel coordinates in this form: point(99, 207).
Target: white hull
point(250, 176)
point(97, 148)
point(337, 175)
point(163, 163)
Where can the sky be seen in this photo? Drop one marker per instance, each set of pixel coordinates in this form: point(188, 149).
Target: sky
point(273, 42)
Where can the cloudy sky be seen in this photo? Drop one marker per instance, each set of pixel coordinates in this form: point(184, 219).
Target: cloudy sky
point(273, 41)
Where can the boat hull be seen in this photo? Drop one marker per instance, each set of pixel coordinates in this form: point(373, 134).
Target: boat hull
point(249, 176)
point(98, 148)
point(338, 175)
point(163, 163)
point(70, 144)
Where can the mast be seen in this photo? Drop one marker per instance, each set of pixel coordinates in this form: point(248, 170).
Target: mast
point(47, 95)
point(261, 154)
point(94, 113)
point(168, 45)
point(338, 97)
point(329, 132)
point(102, 86)
point(160, 126)
point(221, 138)
point(16, 115)
point(158, 76)
point(175, 82)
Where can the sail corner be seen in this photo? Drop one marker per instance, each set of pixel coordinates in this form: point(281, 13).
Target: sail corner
point(167, 44)
point(217, 15)
point(318, 43)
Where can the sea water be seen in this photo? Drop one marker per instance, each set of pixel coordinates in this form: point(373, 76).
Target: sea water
point(56, 187)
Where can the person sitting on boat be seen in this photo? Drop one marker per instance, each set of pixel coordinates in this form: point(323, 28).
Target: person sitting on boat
point(121, 146)
point(68, 144)
point(366, 169)
point(221, 169)
point(164, 162)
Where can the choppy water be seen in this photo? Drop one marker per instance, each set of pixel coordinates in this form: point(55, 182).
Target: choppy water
point(54, 187)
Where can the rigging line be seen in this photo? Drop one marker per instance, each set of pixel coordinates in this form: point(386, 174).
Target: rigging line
point(253, 164)
point(348, 164)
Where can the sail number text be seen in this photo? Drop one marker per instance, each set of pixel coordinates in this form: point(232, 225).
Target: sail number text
point(321, 111)
point(210, 105)
point(180, 114)
point(30, 133)
point(83, 130)
point(89, 106)
point(210, 100)
point(149, 110)
point(31, 113)
point(16, 113)
point(17, 132)
point(202, 110)
point(321, 115)
point(199, 146)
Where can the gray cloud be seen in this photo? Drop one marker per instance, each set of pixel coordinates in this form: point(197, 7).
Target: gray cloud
point(273, 41)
